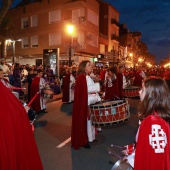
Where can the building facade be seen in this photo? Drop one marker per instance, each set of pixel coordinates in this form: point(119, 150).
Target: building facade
point(44, 26)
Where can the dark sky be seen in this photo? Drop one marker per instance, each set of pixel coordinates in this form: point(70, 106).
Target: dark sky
point(151, 18)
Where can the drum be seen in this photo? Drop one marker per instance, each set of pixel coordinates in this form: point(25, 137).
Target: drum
point(131, 91)
point(121, 165)
point(47, 93)
point(16, 94)
point(110, 112)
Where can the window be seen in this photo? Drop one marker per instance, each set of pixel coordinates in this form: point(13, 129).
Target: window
point(34, 41)
point(54, 16)
point(54, 39)
point(82, 45)
point(25, 42)
point(92, 39)
point(24, 23)
point(34, 21)
point(92, 17)
point(78, 16)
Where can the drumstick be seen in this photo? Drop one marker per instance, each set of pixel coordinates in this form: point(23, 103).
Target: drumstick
point(117, 146)
point(32, 99)
point(17, 88)
point(111, 153)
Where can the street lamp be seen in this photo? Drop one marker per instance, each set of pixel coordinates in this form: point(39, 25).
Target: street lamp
point(70, 30)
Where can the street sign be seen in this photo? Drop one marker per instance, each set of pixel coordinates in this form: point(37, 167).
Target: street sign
point(70, 52)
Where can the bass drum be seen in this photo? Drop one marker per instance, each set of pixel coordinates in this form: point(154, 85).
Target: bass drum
point(121, 165)
point(110, 112)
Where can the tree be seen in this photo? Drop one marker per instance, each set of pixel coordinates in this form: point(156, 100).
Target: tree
point(5, 6)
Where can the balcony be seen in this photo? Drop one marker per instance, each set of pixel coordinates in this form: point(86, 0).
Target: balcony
point(114, 37)
point(113, 21)
point(103, 36)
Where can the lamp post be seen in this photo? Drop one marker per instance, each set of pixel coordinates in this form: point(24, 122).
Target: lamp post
point(70, 30)
point(13, 56)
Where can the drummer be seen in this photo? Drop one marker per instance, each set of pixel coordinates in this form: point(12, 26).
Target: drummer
point(139, 77)
point(68, 86)
point(112, 91)
point(39, 104)
point(122, 83)
point(153, 136)
point(86, 93)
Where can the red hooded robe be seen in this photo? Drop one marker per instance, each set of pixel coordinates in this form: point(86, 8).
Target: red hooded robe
point(138, 79)
point(120, 84)
point(112, 92)
point(34, 89)
point(66, 88)
point(18, 150)
point(145, 156)
point(80, 113)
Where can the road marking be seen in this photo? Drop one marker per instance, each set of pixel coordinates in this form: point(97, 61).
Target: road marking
point(64, 143)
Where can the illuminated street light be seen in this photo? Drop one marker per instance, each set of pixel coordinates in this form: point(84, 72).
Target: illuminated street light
point(140, 60)
point(130, 54)
point(70, 30)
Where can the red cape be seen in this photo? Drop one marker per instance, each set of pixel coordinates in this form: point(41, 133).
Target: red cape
point(112, 92)
point(34, 89)
point(145, 156)
point(80, 113)
point(66, 88)
point(120, 84)
point(102, 75)
point(18, 150)
point(138, 79)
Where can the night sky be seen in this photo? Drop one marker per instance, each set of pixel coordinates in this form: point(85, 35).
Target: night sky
point(151, 18)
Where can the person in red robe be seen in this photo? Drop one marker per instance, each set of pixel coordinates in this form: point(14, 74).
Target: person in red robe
point(112, 91)
point(80, 133)
point(68, 87)
point(120, 80)
point(153, 137)
point(102, 75)
point(18, 148)
point(139, 76)
point(37, 84)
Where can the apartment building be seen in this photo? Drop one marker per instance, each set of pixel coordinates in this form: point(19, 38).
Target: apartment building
point(108, 32)
point(129, 43)
point(43, 26)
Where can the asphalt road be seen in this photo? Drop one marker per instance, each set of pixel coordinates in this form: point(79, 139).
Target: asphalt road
point(52, 134)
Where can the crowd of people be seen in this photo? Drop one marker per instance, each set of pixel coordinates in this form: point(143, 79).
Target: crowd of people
point(86, 84)
point(26, 79)
point(152, 146)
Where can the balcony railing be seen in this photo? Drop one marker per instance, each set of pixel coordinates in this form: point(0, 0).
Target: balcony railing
point(113, 21)
point(114, 37)
point(103, 36)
